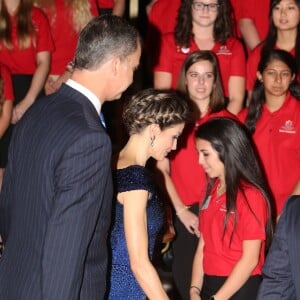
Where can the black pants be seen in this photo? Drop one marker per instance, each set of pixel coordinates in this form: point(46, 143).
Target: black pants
point(184, 248)
point(248, 291)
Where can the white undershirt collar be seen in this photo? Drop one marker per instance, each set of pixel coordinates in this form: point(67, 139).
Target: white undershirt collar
point(86, 92)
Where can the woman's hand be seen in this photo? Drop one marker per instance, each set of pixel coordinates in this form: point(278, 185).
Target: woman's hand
point(190, 221)
point(19, 111)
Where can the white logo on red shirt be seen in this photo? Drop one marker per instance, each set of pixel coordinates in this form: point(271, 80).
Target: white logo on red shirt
point(288, 127)
point(183, 50)
point(224, 50)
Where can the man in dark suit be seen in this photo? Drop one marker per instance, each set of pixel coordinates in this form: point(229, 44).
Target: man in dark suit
point(281, 272)
point(55, 204)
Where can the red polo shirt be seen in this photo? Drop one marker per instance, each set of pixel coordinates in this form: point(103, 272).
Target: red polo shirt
point(277, 137)
point(23, 61)
point(231, 58)
point(64, 35)
point(219, 255)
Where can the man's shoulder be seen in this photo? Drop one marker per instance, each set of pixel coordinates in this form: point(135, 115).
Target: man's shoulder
point(292, 206)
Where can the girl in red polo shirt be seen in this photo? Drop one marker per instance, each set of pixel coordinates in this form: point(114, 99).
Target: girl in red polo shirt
point(273, 118)
point(67, 18)
point(235, 216)
point(185, 181)
point(284, 33)
point(25, 47)
point(204, 26)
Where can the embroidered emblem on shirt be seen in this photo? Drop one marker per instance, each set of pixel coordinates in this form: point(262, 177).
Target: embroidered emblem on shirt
point(288, 127)
point(183, 50)
point(224, 50)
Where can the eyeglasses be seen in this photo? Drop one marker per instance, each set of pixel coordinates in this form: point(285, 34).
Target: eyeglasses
point(213, 7)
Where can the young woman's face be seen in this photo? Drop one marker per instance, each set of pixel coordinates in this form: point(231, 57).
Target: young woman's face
point(200, 80)
point(286, 15)
point(209, 160)
point(276, 78)
point(204, 12)
point(165, 141)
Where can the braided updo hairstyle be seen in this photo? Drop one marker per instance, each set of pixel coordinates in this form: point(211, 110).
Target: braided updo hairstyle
point(150, 106)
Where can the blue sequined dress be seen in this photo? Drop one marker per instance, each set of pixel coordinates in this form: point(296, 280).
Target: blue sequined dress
point(122, 283)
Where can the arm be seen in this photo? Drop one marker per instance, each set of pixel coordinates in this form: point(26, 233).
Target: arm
point(135, 223)
point(37, 84)
point(197, 271)
point(249, 33)
point(236, 87)
point(5, 116)
point(80, 179)
point(162, 80)
point(189, 219)
point(119, 8)
point(241, 271)
point(53, 83)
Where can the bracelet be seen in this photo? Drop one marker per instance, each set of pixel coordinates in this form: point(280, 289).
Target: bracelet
point(195, 287)
point(182, 209)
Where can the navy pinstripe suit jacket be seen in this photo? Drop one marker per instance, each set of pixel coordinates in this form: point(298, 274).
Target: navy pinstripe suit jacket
point(55, 204)
point(281, 273)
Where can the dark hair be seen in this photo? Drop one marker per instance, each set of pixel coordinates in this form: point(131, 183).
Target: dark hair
point(236, 151)
point(271, 39)
point(102, 38)
point(217, 100)
point(25, 27)
point(258, 95)
point(154, 107)
point(223, 26)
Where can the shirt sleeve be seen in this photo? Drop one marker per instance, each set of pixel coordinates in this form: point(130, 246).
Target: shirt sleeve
point(252, 65)
point(246, 9)
point(44, 41)
point(238, 60)
point(165, 57)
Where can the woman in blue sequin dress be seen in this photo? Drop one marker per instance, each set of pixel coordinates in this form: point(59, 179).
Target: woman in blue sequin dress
point(154, 121)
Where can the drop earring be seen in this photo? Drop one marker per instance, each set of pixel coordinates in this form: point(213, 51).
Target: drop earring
point(152, 141)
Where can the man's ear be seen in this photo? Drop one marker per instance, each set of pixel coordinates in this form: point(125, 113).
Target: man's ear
point(115, 65)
